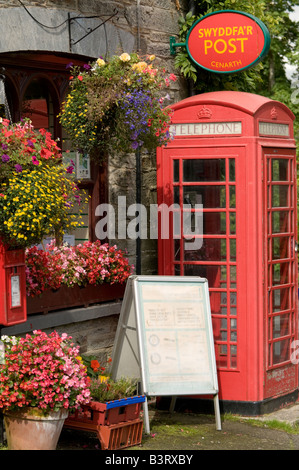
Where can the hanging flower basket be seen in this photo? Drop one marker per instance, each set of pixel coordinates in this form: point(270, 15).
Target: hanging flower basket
point(118, 105)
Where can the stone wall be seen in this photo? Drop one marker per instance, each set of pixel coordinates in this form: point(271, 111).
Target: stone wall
point(143, 25)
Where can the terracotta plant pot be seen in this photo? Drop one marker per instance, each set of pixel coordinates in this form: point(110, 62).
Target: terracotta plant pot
point(31, 431)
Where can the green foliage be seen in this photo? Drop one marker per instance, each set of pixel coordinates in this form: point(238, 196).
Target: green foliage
point(108, 390)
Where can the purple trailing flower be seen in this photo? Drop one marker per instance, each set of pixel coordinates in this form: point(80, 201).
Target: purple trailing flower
point(4, 146)
point(30, 143)
point(5, 158)
point(134, 145)
point(18, 168)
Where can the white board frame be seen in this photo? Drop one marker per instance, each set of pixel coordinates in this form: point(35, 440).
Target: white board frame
point(162, 317)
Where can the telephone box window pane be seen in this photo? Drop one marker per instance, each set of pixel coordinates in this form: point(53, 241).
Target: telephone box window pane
point(280, 273)
point(176, 171)
point(281, 351)
point(232, 223)
point(217, 304)
point(177, 250)
point(233, 274)
point(233, 356)
point(232, 196)
point(280, 222)
point(280, 196)
point(280, 247)
point(280, 169)
point(202, 170)
point(281, 299)
point(211, 250)
point(233, 249)
point(215, 275)
point(214, 223)
point(232, 172)
point(280, 325)
point(209, 196)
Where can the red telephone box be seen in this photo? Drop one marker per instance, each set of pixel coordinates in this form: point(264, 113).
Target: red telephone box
point(234, 153)
point(13, 307)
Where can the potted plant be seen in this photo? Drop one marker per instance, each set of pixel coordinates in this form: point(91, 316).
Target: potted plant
point(37, 193)
point(41, 379)
point(117, 105)
point(69, 276)
point(113, 411)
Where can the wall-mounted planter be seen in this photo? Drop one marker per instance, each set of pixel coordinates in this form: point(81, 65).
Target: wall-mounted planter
point(71, 297)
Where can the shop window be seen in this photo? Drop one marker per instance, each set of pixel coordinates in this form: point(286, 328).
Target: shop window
point(37, 104)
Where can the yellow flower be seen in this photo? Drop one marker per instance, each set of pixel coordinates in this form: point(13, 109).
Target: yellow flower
point(152, 57)
point(100, 62)
point(125, 57)
point(139, 66)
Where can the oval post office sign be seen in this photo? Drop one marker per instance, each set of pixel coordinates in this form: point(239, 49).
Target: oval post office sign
point(228, 41)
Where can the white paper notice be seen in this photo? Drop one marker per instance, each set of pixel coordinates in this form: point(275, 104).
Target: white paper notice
point(175, 334)
point(15, 291)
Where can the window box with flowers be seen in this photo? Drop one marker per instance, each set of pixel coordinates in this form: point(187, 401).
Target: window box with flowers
point(65, 277)
point(41, 380)
point(114, 412)
point(117, 105)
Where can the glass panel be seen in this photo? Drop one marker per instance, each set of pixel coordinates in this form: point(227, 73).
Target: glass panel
point(281, 351)
point(280, 222)
point(218, 302)
point(176, 171)
point(280, 196)
point(280, 170)
point(232, 196)
point(177, 250)
point(280, 273)
point(233, 249)
point(280, 325)
point(232, 173)
point(214, 223)
point(209, 196)
point(281, 300)
point(216, 275)
point(233, 329)
point(233, 356)
point(204, 170)
point(35, 104)
point(280, 248)
point(176, 194)
point(212, 250)
point(233, 274)
point(232, 222)
point(177, 270)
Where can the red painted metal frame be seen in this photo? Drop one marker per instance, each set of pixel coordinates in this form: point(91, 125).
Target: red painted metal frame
point(12, 263)
point(248, 379)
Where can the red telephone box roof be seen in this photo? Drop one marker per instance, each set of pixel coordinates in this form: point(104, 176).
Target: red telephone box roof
point(247, 102)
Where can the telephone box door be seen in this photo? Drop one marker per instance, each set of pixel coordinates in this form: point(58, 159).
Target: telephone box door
point(206, 178)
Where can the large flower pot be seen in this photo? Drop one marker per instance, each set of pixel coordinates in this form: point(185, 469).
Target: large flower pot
point(71, 297)
point(33, 431)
